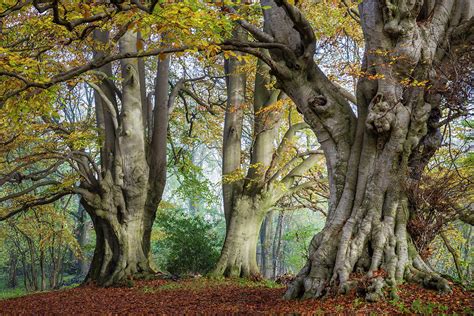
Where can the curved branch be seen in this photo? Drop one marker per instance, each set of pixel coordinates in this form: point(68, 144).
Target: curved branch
point(30, 204)
point(303, 167)
point(17, 6)
point(28, 190)
point(109, 104)
point(256, 32)
point(285, 142)
point(246, 47)
point(453, 253)
point(301, 24)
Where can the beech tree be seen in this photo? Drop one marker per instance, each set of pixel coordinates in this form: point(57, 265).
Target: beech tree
point(375, 143)
point(274, 171)
point(371, 153)
point(123, 201)
point(121, 180)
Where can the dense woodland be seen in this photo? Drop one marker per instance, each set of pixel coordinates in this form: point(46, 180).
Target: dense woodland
point(323, 146)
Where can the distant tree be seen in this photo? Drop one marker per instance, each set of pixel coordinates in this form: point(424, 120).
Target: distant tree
point(276, 168)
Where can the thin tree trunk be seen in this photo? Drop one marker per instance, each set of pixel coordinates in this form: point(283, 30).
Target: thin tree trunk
point(82, 262)
point(277, 244)
point(267, 234)
point(12, 270)
point(34, 275)
point(42, 270)
point(467, 254)
point(454, 254)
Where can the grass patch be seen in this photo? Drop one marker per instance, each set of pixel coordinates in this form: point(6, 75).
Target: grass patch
point(12, 293)
point(201, 283)
point(6, 293)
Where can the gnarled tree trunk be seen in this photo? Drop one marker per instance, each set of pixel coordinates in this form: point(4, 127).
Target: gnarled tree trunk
point(121, 249)
point(122, 203)
point(371, 156)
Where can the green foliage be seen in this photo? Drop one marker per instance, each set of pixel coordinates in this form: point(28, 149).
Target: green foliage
point(427, 308)
point(460, 238)
point(400, 306)
point(189, 244)
point(11, 293)
point(193, 185)
point(301, 229)
point(420, 307)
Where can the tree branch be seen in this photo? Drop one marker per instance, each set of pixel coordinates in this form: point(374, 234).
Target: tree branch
point(107, 102)
point(246, 47)
point(28, 190)
point(30, 204)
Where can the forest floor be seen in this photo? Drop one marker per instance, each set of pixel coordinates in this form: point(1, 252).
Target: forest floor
point(206, 296)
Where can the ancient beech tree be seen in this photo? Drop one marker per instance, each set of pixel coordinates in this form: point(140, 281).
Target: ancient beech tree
point(371, 154)
point(270, 175)
point(120, 178)
point(123, 200)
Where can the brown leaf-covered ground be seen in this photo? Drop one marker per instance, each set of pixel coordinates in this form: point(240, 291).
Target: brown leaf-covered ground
point(204, 296)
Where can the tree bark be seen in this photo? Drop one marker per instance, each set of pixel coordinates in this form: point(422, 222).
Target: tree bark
point(119, 254)
point(239, 253)
point(232, 134)
point(369, 156)
point(267, 234)
point(123, 203)
point(248, 200)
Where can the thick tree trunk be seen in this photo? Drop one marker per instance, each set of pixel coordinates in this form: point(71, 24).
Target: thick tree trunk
point(232, 133)
point(239, 253)
point(123, 203)
point(120, 252)
point(247, 200)
point(372, 239)
point(371, 156)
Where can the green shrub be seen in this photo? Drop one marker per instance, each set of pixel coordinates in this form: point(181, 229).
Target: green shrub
point(190, 244)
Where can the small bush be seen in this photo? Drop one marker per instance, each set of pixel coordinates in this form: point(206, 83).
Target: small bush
point(189, 244)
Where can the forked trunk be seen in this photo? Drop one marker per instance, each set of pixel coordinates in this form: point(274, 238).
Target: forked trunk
point(123, 201)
